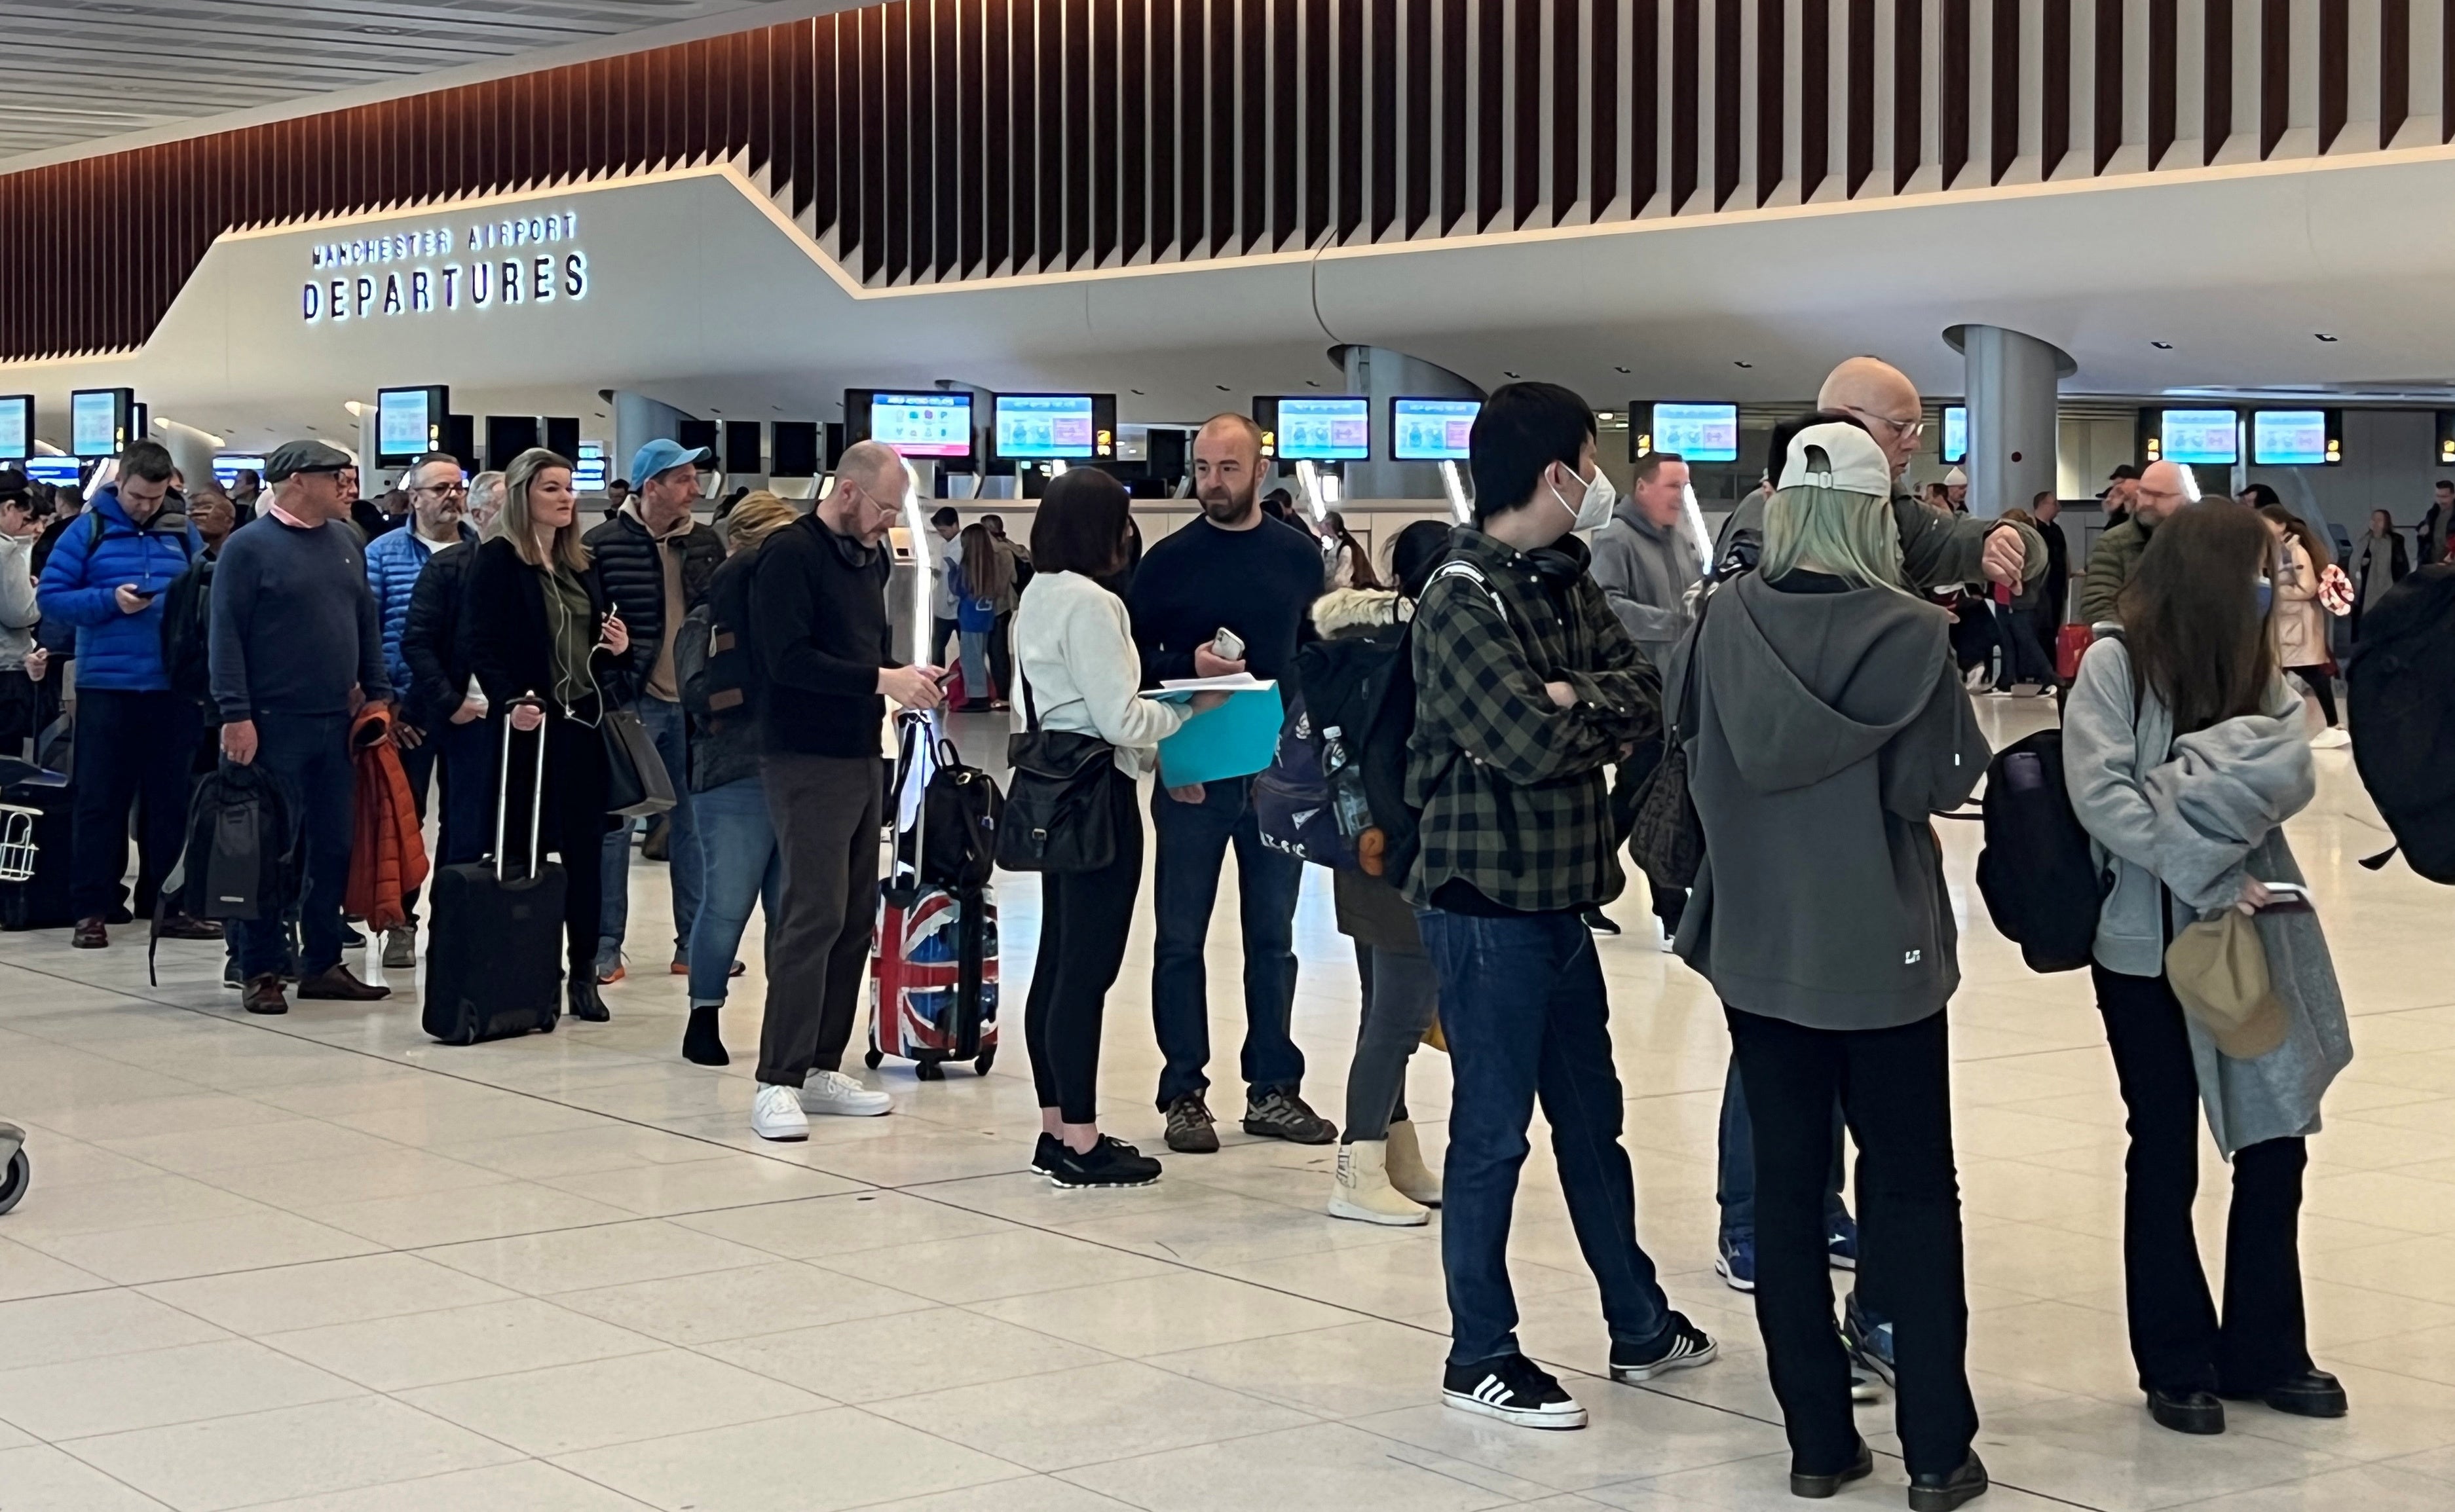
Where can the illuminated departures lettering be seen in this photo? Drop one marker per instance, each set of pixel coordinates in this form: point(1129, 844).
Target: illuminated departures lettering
point(410, 274)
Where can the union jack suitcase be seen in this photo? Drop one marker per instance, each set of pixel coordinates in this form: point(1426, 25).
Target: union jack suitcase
point(934, 981)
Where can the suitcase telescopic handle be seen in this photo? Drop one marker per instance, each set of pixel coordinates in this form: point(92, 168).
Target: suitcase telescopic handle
point(504, 785)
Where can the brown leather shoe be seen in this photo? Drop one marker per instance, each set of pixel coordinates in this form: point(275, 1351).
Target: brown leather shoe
point(334, 984)
point(188, 926)
point(264, 995)
point(90, 935)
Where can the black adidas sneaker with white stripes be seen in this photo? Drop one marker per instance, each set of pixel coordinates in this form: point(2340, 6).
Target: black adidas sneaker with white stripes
point(1682, 1344)
point(1514, 1389)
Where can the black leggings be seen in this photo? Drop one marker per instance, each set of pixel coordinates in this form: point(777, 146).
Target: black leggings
point(2322, 687)
point(2176, 1339)
point(1084, 918)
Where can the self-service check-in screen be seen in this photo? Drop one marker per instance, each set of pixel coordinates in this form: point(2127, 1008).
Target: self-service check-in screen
point(922, 424)
point(1432, 429)
point(1031, 426)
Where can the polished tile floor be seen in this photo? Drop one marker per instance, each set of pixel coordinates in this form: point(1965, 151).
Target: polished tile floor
point(320, 1262)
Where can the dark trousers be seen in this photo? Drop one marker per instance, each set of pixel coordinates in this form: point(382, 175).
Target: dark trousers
point(1895, 1087)
point(460, 760)
point(131, 748)
point(313, 751)
point(1735, 1173)
point(570, 822)
point(2322, 687)
point(941, 631)
point(1524, 1011)
point(1084, 918)
point(2025, 656)
point(1193, 841)
point(826, 810)
point(2176, 1340)
point(1001, 656)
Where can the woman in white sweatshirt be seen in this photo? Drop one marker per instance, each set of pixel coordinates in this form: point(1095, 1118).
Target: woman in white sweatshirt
point(1077, 671)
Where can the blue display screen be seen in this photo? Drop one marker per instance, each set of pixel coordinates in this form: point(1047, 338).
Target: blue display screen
point(1956, 432)
point(1698, 432)
point(2200, 435)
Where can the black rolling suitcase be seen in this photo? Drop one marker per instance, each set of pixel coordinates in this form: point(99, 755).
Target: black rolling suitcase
point(494, 952)
point(40, 901)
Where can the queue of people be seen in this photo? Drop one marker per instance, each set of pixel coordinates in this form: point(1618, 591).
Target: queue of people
point(1797, 675)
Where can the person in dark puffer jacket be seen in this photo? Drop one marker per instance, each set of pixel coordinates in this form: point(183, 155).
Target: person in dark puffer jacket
point(655, 559)
point(105, 575)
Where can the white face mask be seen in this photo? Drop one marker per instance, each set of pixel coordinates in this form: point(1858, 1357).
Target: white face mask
point(1593, 511)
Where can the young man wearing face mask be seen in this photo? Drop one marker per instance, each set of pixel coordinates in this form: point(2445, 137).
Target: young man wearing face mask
point(1527, 690)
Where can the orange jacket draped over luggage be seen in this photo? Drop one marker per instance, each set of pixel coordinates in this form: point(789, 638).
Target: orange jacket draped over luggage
point(387, 852)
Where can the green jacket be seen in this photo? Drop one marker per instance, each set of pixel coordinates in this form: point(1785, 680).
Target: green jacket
point(1511, 787)
point(2110, 562)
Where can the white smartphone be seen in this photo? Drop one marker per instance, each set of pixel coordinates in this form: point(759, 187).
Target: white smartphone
point(1228, 645)
point(2288, 898)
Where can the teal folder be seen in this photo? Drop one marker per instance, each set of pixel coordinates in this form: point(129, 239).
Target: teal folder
point(1234, 740)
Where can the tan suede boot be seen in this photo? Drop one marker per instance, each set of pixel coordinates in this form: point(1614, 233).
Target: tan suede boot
point(1361, 1189)
point(1407, 1172)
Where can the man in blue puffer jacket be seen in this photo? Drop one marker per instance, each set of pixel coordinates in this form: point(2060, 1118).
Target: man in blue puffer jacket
point(437, 501)
point(134, 736)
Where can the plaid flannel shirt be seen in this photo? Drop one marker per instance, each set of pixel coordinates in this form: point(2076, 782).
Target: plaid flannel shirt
point(1513, 787)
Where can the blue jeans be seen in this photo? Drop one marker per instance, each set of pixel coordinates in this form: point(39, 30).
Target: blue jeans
point(1192, 840)
point(313, 751)
point(1522, 1007)
point(743, 865)
point(1735, 1178)
point(669, 729)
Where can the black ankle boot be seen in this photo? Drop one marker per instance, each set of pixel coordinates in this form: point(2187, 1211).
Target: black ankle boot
point(582, 1004)
point(704, 1040)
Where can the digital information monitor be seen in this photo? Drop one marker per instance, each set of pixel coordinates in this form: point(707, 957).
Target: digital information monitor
point(2202, 437)
point(1955, 434)
point(1432, 429)
point(588, 467)
point(17, 427)
point(936, 426)
point(408, 423)
point(2294, 438)
point(99, 421)
point(1700, 432)
point(59, 471)
point(1054, 426)
point(228, 466)
point(1308, 428)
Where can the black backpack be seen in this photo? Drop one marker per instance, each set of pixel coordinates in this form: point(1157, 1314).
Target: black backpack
point(241, 860)
point(188, 633)
point(1316, 800)
point(2041, 884)
point(2401, 680)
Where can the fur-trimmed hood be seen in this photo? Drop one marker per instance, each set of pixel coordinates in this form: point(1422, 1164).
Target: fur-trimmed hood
point(1360, 609)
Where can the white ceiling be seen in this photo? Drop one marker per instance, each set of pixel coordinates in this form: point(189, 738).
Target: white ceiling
point(83, 69)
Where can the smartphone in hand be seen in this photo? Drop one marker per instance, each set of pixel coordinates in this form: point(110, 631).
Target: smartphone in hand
point(1228, 645)
point(2287, 898)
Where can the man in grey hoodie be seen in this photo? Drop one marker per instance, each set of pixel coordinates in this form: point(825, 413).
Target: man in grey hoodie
point(1648, 568)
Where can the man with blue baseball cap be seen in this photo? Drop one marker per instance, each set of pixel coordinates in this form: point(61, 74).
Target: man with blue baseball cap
point(657, 559)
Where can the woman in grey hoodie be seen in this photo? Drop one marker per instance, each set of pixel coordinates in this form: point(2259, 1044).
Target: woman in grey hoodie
point(1830, 725)
point(2184, 753)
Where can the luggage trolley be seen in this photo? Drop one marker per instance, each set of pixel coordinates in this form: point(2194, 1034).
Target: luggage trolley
point(18, 850)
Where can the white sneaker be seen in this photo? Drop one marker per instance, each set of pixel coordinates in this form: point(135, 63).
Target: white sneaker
point(2330, 740)
point(400, 948)
point(777, 1114)
point(834, 1092)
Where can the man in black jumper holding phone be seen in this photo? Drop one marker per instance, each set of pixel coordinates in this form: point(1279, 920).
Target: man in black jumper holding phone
point(1229, 569)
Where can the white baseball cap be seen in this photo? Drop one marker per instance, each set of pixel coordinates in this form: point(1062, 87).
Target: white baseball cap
point(1836, 456)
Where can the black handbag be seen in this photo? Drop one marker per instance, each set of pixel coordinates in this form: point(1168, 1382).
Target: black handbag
point(1667, 838)
point(636, 783)
point(1056, 816)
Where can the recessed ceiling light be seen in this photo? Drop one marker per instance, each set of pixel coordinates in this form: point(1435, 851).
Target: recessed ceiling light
point(1619, 370)
point(2324, 336)
point(1135, 391)
point(384, 32)
point(2163, 346)
point(1312, 383)
point(1735, 362)
point(1505, 372)
point(1221, 387)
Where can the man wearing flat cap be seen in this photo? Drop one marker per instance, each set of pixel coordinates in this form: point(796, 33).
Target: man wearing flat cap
point(297, 645)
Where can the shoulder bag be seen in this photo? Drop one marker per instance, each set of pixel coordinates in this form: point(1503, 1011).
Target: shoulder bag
point(1057, 817)
point(1667, 839)
point(636, 783)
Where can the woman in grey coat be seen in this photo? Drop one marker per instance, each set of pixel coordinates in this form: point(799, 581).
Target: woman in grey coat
point(1830, 727)
point(2184, 753)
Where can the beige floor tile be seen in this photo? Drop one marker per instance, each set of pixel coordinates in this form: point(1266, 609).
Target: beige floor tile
point(2370, 1487)
point(2110, 1456)
point(40, 1479)
point(1345, 1372)
point(200, 1153)
point(389, 1171)
point(1762, 1484)
point(1321, 1465)
point(525, 1486)
point(460, 1344)
point(840, 1225)
point(342, 1291)
point(778, 1296)
point(1165, 1314)
point(606, 1255)
point(31, 1273)
point(816, 1462)
point(2423, 1268)
point(869, 1360)
point(157, 1387)
point(982, 1268)
point(104, 1206)
point(697, 1186)
point(2392, 1416)
point(1627, 1428)
point(88, 1325)
point(1086, 1415)
point(574, 1152)
point(473, 1213)
point(564, 1408)
point(291, 1453)
point(211, 1246)
point(1035, 1494)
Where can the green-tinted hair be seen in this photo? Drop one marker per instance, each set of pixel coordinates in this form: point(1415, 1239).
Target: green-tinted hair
point(1850, 536)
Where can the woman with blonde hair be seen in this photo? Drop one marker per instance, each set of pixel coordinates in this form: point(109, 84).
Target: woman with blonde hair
point(1824, 725)
point(740, 862)
point(550, 656)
